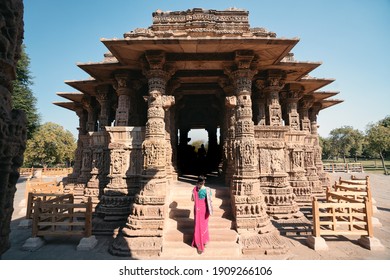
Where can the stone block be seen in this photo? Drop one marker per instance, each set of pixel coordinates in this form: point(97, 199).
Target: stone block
point(25, 223)
point(33, 243)
point(375, 222)
point(317, 243)
point(87, 243)
point(371, 243)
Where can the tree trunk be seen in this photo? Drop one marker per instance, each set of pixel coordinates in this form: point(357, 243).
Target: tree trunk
point(383, 163)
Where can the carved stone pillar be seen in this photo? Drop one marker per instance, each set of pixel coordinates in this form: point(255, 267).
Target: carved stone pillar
point(102, 97)
point(71, 179)
point(170, 134)
point(213, 156)
point(257, 234)
point(275, 185)
point(291, 97)
point(12, 122)
point(231, 103)
point(260, 104)
point(88, 105)
point(143, 232)
point(310, 141)
point(123, 90)
point(229, 123)
point(273, 84)
point(323, 176)
point(304, 106)
point(184, 136)
point(78, 187)
point(183, 150)
point(295, 139)
point(124, 165)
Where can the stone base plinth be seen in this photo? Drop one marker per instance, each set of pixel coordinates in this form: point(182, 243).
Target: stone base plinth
point(375, 222)
point(33, 243)
point(269, 243)
point(87, 243)
point(102, 226)
point(136, 247)
point(317, 243)
point(25, 223)
point(371, 243)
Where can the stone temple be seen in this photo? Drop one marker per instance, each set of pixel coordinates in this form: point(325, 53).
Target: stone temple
point(198, 69)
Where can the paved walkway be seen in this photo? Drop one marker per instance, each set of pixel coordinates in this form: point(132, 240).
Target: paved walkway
point(340, 248)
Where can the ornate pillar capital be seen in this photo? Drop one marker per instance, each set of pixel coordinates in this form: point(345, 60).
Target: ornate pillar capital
point(274, 80)
point(306, 102)
point(86, 103)
point(157, 80)
point(102, 93)
point(155, 59)
point(244, 59)
point(123, 84)
point(314, 110)
point(168, 101)
point(231, 101)
point(242, 80)
point(292, 93)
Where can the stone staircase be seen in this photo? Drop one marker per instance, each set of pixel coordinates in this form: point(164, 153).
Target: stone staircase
point(179, 224)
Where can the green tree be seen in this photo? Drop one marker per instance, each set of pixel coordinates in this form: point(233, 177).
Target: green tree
point(378, 140)
point(341, 140)
point(385, 122)
point(327, 151)
point(22, 96)
point(358, 141)
point(50, 145)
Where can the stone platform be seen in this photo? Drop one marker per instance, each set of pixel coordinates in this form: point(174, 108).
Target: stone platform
point(222, 245)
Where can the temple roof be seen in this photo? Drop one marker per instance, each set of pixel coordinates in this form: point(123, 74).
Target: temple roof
point(198, 46)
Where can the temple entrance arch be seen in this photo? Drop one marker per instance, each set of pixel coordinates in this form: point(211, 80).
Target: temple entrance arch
point(198, 111)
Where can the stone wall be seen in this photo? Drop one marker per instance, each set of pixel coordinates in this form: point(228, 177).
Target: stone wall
point(12, 122)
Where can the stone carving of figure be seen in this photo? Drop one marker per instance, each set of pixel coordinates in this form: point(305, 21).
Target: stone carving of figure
point(247, 155)
point(117, 163)
point(297, 159)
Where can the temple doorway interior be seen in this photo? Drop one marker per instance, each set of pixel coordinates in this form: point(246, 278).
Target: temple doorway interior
point(197, 155)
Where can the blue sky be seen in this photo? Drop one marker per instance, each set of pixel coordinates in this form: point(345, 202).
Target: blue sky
point(350, 38)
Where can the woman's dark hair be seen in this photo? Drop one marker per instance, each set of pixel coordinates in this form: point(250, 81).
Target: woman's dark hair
point(201, 179)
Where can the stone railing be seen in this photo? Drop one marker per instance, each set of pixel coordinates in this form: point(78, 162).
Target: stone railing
point(343, 167)
point(39, 172)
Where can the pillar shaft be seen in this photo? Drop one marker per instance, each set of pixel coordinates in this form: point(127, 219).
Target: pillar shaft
point(143, 232)
point(258, 235)
point(123, 90)
point(102, 98)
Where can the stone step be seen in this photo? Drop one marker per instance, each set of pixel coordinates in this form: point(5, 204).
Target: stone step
point(185, 222)
point(185, 235)
point(214, 250)
point(221, 211)
point(179, 227)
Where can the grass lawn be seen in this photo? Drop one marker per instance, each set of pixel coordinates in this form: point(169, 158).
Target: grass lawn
point(369, 165)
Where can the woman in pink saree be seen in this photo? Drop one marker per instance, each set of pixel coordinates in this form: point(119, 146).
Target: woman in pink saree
point(201, 196)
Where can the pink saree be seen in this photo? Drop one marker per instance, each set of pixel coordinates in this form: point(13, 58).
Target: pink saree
point(201, 218)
